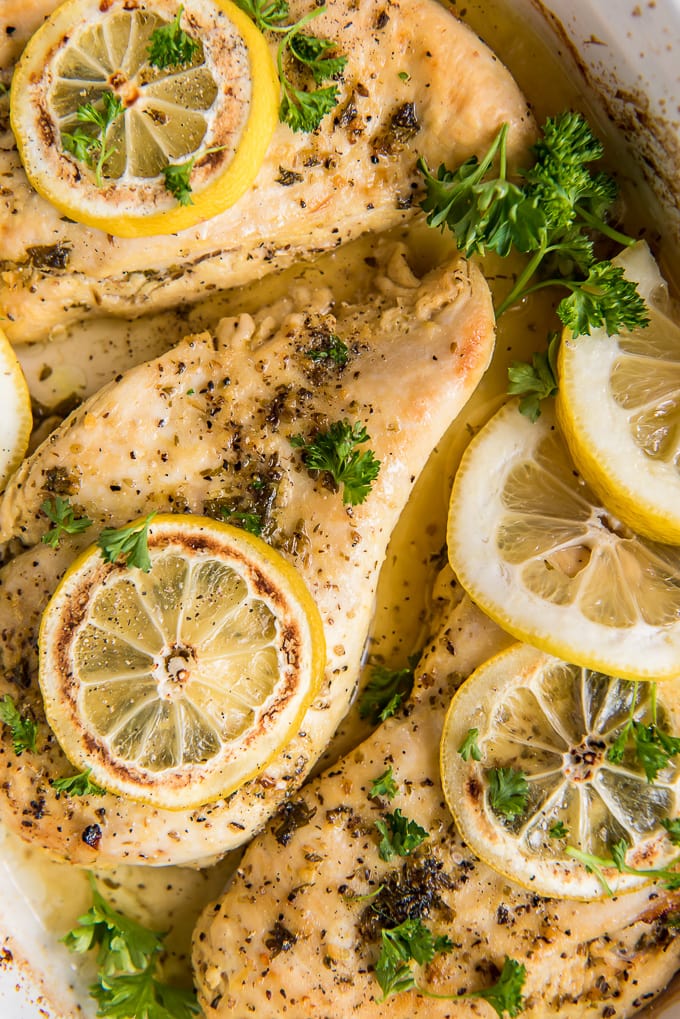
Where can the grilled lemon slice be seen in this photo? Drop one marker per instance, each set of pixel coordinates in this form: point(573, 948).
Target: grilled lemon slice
point(177, 685)
point(97, 122)
point(549, 728)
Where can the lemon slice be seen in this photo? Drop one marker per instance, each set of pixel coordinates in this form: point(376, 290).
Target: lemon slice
point(15, 419)
point(178, 685)
point(536, 550)
point(554, 723)
point(619, 409)
point(224, 98)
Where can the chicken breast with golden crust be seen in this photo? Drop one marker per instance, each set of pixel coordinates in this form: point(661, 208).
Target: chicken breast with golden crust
point(417, 82)
point(209, 425)
point(297, 934)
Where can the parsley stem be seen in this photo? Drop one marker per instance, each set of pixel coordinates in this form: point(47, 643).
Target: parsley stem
point(604, 228)
point(520, 288)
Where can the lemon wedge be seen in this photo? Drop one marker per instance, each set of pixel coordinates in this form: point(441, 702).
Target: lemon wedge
point(554, 724)
point(97, 124)
point(536, 550)
point(16, 419)
point(177, 685)
point(618, 405)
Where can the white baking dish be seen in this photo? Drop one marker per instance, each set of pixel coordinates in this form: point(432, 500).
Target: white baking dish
point(626, 56)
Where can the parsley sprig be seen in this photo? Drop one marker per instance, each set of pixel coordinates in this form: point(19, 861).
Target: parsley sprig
point(301, 109)
point(652, 746)
point(508, 791)
point(413, 941)
point(23, 729)
point(535, 381)
point(469, 748)
point(65, 521)
point(77, 785)
point(385, 691)
point(549, 215)
point(128, 962)
point(410, 941)
point(335, 453)
point(177, 176)
point(551, 212)
point(88, 147)
point(171, 46)
point(667, 876)
point(384, 785)
point(401, 835)
point(130, 542)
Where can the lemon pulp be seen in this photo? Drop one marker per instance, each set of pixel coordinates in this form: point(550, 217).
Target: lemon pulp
point(534, 548)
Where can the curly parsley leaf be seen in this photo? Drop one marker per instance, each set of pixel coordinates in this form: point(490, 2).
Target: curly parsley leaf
point(505, 996)
point(672, 827)
point(385, 691)
point(604, 299)
point(65, 521)
point(508, 791)
point(251, 522)
point(23, 729)
point(312, 52)
point(268, 15)
point(77, 785)
point(384, 785)
point(127, 959)
point(131, 542)
point(177, 176)
point(333, 349)
point(143, 996)
point(334, 452)
point(304, 111)
point(400, 835)
point(122, 944)
point(171, 46)
point(90, 148)
point(469, 748)
point(410, 941)
point(651, 745)
point(301, 109)
point(536, 381)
